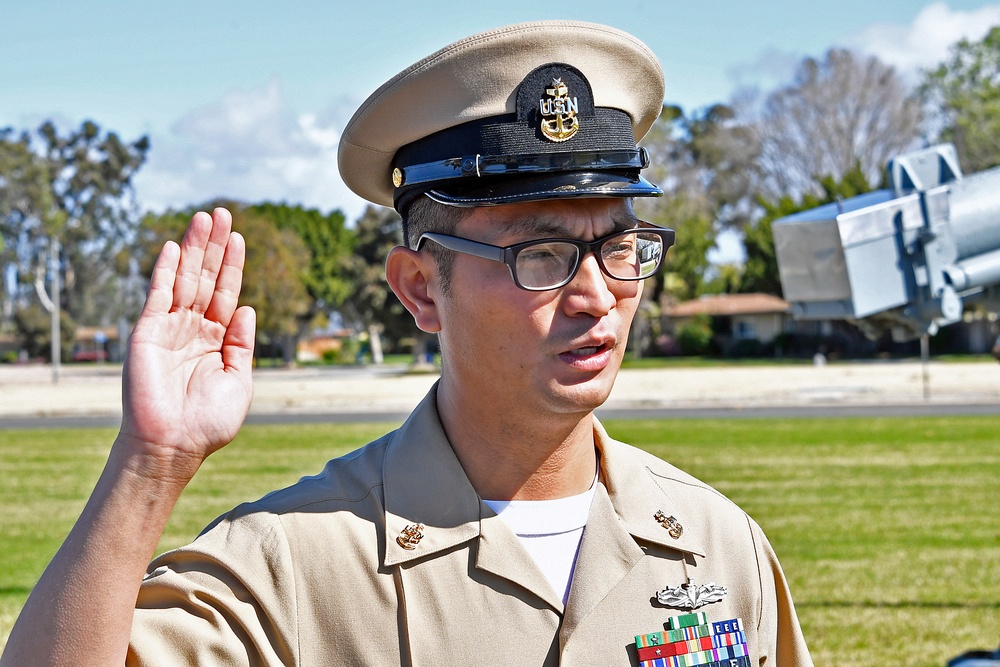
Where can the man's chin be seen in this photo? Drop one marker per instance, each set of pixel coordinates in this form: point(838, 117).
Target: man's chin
point(582, 396)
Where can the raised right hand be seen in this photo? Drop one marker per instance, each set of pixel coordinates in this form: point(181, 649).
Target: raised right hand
point(187, 388)
point(187, 378)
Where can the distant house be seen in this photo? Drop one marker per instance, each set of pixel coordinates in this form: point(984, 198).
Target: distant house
point(322, 345)
point(737, 316)
point(96, 344)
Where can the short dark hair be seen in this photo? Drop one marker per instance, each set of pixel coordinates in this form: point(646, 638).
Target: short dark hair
point(427, 215)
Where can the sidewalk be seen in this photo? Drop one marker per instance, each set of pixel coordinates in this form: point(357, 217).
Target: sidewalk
point(95, 390)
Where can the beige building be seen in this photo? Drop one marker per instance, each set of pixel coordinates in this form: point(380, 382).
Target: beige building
point(741, 316)
point(740, 322)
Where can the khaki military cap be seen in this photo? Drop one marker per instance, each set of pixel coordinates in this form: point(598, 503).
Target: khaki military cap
point(526, 112)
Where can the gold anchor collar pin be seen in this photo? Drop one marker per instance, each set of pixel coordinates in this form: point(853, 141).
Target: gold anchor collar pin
point(670, 524)
point(409, 538)
point(672, 529)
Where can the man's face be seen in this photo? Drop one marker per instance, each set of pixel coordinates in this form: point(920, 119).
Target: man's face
point(555, 351)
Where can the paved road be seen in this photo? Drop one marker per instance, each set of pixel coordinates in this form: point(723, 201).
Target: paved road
point(90, 395)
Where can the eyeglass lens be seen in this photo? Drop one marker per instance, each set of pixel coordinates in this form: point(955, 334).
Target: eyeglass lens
point(627, 256)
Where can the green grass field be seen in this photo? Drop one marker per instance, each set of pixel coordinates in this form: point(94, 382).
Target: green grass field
point(888, 529)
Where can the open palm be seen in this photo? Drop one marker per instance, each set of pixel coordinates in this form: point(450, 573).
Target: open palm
point(187, 379)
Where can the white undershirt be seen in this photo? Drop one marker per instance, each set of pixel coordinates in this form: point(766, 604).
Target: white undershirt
point(550, 531)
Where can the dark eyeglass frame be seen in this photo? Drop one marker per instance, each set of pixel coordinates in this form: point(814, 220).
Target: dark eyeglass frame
point(508, 254)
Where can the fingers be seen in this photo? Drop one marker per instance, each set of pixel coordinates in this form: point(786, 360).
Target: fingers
point(192, 256)
point(202, 251)
point(237, 347)
point(161, 283)
point(227, 286)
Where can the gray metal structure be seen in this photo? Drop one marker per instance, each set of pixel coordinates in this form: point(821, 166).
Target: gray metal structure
point(905, 259)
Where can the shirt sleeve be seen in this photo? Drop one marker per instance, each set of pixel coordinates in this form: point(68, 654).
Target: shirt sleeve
point(226, 599)
point(780, 633)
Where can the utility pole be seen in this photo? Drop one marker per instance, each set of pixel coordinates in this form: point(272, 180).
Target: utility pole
point(56, 287)
point(925, 356)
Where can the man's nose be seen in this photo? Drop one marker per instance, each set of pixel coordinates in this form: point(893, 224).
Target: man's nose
point(589, 291)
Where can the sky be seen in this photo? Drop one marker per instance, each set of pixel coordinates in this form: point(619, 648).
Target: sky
point(246, 99)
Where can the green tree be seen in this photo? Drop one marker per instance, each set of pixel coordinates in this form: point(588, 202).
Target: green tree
point(724, 151)
point(78, 187)
point(330, 244)
point(686, 266)
point(964, 94)
point(703, 162)
point(28, 216)
point(33, 332)
point(91, 175)
point(277, 264)
point(695, 337)
point(709, 157)
point(372, 303)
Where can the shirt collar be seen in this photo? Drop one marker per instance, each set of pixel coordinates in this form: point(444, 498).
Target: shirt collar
point(640, 495)
point(424, 484)
point(427, 492)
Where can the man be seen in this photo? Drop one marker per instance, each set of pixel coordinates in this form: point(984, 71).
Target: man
point(500, 523)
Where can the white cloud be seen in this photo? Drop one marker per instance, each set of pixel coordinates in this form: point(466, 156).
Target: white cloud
point(926, 41)
point(910, 48)
point(773, 67)
point(249, 146)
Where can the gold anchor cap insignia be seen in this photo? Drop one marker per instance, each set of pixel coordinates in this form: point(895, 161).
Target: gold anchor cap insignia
point(559, 119)
point(410, 537)
point(673, 527)
point(691, 596)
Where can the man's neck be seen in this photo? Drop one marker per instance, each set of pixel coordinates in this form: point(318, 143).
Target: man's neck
point(520, 456)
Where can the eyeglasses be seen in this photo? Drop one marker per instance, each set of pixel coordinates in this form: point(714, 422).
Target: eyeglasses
point(547, 264)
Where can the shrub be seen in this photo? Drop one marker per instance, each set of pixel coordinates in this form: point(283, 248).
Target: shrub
point(745, 347)
point(695, 337)
point(32, 328)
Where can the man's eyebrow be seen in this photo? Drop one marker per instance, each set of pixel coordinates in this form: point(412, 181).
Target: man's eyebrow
point(538, 225)
point(626, 221)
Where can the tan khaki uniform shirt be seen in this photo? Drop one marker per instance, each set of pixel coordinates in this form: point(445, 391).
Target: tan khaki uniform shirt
point(314, 574)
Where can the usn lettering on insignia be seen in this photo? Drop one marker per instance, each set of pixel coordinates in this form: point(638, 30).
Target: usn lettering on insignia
point(559, 119)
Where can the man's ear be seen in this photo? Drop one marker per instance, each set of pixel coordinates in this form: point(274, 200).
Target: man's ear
point(410, 274)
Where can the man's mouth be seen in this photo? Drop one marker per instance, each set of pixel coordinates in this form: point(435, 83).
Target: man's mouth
point(590, 357)
point(587, 351)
